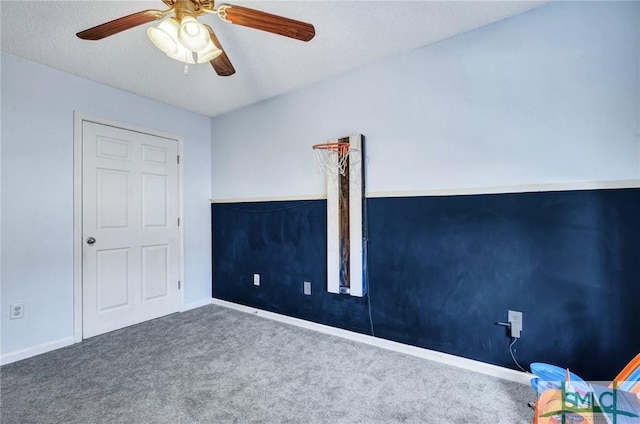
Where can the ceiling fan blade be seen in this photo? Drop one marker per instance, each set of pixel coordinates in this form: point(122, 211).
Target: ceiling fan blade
point(266, 22)
point(221, 64)
point(121, 24)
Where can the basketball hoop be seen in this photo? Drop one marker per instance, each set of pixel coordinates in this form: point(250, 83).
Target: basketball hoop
point(332, 157)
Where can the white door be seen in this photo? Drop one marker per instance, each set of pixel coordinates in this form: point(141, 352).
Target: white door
point(129, 228)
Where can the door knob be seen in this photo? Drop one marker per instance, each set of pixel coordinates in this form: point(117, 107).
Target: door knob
point(91, 240)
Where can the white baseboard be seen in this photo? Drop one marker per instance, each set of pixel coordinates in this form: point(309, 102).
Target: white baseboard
point(457, 361)
point(19, 355)
point(197, 304)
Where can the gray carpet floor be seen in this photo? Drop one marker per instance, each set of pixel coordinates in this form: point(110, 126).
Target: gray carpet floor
point(216, 365)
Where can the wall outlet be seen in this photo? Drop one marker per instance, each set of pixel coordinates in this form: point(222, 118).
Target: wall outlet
point(16, 310)
point(307, 287)
point(515, 319)
point(256, 279)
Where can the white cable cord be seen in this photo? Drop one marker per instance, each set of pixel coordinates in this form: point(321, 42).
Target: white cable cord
point(515, 339)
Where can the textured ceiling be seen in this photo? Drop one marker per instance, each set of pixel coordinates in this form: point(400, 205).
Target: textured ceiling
point(349, 34)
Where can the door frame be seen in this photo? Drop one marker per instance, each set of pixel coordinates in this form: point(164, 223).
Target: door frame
point(78, 119)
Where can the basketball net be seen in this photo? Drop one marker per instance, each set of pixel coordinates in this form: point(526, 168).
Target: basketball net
point(332, 157)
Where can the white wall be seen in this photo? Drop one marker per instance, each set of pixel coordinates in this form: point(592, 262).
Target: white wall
point(547, 97)
point(37, 193)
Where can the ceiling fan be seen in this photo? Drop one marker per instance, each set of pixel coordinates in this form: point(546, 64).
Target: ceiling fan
point(183, 38)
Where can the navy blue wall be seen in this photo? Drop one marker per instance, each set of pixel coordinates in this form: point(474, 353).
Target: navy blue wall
point(443, 270)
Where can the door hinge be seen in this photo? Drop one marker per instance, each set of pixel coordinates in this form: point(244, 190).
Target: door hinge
point(178, 159)
point(178, 284)
point(178, 222)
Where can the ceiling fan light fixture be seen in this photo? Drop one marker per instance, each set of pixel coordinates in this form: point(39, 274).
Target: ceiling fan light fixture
point(192, 34)
point(165, 36)
point(183, 38)
point(209, 53)
point(183, 55)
